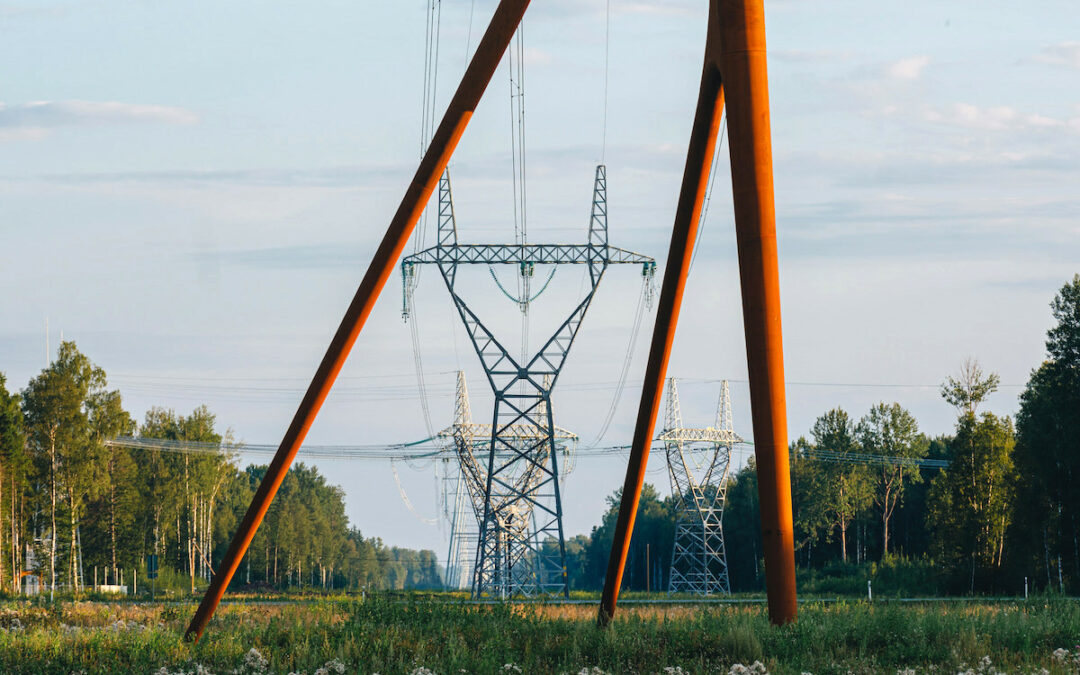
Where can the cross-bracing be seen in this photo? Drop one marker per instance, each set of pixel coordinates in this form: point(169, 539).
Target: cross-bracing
point(698, 462)
point(522, 504)
point(466, 500)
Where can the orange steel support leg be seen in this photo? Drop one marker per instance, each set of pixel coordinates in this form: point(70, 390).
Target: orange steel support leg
point(489, 52)
point(710, 106)
point(742, 63)
point(735, 55)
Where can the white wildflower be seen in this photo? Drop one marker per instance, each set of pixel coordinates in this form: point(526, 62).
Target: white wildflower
point(511, 668)
point(420, 670)
point(254, 661)
point(674, 670)
point(906, 671)
point(334, 666)
point(1060, 654)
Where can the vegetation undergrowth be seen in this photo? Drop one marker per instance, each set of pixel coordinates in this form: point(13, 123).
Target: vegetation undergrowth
point(392, 635)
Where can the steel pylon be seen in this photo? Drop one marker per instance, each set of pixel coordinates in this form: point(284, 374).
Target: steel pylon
point(698, 461)
point(468, 441)
point(522, 504)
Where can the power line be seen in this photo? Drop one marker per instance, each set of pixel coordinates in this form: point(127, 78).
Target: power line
point(430, 449)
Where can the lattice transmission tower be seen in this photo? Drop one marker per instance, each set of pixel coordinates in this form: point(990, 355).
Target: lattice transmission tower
point(522, 504)
point(698, 461)
point(469, 440)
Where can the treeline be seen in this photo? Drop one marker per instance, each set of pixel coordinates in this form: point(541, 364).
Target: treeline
point(1005, 509)
point(72, 504)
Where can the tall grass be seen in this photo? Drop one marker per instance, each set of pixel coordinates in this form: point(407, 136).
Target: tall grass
point(390, 636)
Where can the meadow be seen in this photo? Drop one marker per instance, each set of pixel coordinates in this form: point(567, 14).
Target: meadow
point(420, 636)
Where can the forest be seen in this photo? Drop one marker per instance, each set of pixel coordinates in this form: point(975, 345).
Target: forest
point(1004, 511)
point(110, 507)
point(989, 508)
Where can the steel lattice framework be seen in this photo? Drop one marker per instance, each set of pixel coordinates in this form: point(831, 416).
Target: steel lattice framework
point(468, 441)
point(698, 461)
point(522, 505)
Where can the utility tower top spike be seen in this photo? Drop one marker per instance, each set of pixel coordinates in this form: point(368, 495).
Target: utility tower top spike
point(447, 221)
point(723, 410)
point(598, 222)
point(672, 412)
point(462, 410)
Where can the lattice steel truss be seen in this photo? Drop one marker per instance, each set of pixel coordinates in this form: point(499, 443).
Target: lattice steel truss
point(469, 441)
point(522, 505)
point(698, 461)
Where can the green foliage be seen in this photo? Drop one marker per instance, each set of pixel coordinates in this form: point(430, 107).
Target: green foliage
point(742, 531)
point(971, 388)
point(1047, 519)
point(891, 431)
point(652, 542)
point(86, 507)
point(892, 577)
point(829, 495)
point(59, 406)
point(970, 505)
point(399, 636)
point(1063, 340)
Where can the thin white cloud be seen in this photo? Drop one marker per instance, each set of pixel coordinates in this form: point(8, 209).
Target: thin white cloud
point(910, 68)
point(22, 134)
point(1064, 54)
point(561, 9)
point(33, 118)
point(993, 118)
point(802, 56)
point(537, 57)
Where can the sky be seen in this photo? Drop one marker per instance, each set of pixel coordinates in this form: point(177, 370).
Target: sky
point(192, 191)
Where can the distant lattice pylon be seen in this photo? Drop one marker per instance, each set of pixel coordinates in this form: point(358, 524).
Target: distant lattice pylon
point(698, 461)
point(471, 442)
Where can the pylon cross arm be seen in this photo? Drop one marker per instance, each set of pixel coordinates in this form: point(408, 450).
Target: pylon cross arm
point(536, 254)
point(707, 435)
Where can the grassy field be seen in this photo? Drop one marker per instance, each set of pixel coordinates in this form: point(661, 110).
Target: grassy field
point(395, 635)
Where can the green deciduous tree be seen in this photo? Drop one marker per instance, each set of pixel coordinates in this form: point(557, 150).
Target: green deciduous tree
point(185, 488)
point(809, 518)
point(847, 487)
point(970, 388)
point(889, 430)
point(1047, 456)
point(653, 541)
point(970, 505)
point(57, 405)
point(13, 469)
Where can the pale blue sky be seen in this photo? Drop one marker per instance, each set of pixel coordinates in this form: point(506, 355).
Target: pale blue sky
point(192, 190)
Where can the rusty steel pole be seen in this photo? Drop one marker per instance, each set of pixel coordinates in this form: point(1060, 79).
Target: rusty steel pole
point(488, 54)
point(735, 56)
point(699, 155)
point(742, 63)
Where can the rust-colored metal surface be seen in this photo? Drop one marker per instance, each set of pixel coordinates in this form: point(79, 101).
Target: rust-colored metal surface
point(742, 64)
point(735, 57)
point(695, 180)
point(489, 52)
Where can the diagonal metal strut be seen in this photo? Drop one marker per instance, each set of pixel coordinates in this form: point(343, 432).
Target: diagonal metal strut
point(521, 547)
